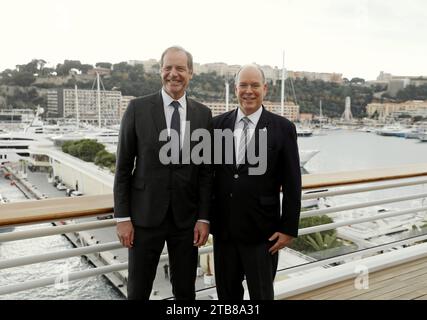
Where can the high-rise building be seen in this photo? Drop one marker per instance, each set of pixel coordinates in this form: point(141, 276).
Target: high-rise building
point(291, 110)
point(124, 103)
point(62, 104)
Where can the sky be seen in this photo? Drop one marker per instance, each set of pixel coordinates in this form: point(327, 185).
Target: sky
point(358, 38)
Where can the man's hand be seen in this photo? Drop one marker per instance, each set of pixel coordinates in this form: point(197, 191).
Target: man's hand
point(125, 233)
point(201, 233)
point(282, 241)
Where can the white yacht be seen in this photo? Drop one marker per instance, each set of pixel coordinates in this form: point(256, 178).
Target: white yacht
point(423, 136)
point(15, 146)
point(105, 136)
point(304, 132)
point(306, 155)
point(395, 130)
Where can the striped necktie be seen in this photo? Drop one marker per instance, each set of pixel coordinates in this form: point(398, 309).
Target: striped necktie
point(243, 141)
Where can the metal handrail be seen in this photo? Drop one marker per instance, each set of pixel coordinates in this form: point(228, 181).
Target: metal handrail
point(49, 231)
point(351, 190)
point(329, 226)
point(76, 275)
point(62, 254)
point(64, 277)
point(317, 212)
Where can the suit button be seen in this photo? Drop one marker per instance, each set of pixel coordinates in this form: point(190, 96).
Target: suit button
point(236, 176)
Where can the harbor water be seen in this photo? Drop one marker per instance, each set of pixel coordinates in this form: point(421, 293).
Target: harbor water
point(349, 150)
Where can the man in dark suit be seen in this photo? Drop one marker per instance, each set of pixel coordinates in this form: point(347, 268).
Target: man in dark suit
point(247, 223)
point(155, 202)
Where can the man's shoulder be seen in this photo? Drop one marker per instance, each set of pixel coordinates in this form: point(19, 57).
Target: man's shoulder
point(279, 120)
point(199, 105)
point(219, 119)
point(139, 101)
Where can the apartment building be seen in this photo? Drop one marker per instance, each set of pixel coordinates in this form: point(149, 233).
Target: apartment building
point(291, 111)
point(390, 109)
point(62, 104)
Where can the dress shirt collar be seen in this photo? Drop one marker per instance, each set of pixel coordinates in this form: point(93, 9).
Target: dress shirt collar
point(254, 117)
point(167, 99)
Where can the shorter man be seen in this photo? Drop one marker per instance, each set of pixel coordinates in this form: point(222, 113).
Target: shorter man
point(246, 222)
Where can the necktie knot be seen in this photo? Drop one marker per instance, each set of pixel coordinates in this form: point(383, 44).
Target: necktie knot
point(175, 104)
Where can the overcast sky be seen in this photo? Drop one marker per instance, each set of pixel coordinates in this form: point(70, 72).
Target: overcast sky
point(353, 37)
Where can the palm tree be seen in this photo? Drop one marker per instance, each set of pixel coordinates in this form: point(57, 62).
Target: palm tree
point(321, 242)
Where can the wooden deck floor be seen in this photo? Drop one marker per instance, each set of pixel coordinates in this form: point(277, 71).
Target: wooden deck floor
point(407, 281)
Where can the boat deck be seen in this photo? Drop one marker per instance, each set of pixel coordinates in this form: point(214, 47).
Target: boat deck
point(407, 281)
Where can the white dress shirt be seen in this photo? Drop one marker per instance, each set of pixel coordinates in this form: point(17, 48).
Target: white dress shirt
point(238, 127)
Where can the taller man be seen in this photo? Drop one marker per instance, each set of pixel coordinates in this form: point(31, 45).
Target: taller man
point(248, 225)
point(156, 203)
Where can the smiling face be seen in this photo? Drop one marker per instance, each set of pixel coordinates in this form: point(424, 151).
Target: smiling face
point(250, 89)
point(175, 73)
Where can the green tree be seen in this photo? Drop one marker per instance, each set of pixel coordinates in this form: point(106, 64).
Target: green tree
point(412, 92)
point(73, 149)
point(106, 65)
point(357, 80)
point(23, 79)
point(66, 146)
point(84, 68)
point(64, 69)
point(105, 159)
point(87, 149)
point(122, 67)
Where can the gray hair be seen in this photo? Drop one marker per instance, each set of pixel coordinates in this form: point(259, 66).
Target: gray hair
point(178, 48)
point(236, 79)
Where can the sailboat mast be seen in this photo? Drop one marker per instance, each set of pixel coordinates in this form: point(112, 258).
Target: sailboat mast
point(282, 100)
point(227, 94)
point(320, 113)
point(98, 99)
point(77, 106)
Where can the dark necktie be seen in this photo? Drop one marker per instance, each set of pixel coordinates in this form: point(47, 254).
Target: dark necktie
point(176, 122)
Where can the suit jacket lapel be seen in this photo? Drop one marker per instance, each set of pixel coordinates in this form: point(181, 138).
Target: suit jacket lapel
point(262, 123)
point(229, 124)
point(158, 113)
point(231, 120)
point(191, 118)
